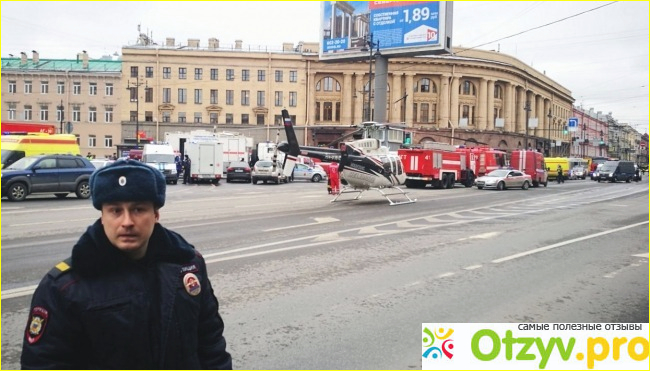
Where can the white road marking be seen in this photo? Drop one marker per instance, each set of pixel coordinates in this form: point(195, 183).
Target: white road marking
point(549, 247)
point(317, 222)
point(448, 274)
point(472, 267)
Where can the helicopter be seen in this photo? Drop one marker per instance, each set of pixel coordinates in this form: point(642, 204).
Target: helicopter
point(364, 164)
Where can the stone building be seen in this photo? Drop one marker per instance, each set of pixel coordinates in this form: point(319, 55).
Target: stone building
point(80, 94)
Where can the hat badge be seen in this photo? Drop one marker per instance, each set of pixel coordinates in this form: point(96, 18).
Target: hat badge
point(192, 284)
point(122, 181)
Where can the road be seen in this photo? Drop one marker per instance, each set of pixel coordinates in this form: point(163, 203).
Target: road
point(307, 284)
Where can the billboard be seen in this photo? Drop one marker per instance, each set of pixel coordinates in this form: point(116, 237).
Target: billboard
point(396, 28)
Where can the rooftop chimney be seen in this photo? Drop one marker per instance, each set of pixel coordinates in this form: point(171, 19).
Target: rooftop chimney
point(213, 43)
point(170, 41)
point(34, 56)
point(193, 43)
point(238, 44)
point(23, 59)
point(85, 60)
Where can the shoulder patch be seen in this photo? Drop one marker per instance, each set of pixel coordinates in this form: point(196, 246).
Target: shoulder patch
point(60, 268)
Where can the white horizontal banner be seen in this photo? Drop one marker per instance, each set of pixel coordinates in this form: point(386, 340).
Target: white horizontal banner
point(535, 346)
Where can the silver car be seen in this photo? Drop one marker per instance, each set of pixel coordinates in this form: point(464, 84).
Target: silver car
point(266, 172)
point(503, 178)
point(312, 173)
point(578, 172)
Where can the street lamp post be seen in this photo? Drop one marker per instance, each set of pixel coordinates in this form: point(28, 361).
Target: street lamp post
point(527, 109)
point(370, 44)
point(61, 118)
point(137, 108)
point(550, 145)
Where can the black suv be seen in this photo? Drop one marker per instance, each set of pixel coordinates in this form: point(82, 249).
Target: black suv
point(58, 174)
point(617, 170)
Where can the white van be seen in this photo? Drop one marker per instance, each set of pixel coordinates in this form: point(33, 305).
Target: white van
point(162, 157)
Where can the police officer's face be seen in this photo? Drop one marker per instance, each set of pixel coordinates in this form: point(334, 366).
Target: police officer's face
point(128, 225)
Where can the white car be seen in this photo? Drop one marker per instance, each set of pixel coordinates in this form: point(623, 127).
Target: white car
point(503, 179)
point(266, 172)
point(312, 173)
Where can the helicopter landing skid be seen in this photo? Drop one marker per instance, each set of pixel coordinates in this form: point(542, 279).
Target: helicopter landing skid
point(400, 191)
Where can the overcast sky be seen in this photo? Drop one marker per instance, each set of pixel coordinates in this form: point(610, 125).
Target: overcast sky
point(601, 56)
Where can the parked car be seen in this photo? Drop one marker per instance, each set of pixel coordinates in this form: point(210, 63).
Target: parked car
point(312, 173)
point(238, 170)
point(264, 171)
point(101, 162)
point(58, 174)
point(578, 172)
point(503, 179)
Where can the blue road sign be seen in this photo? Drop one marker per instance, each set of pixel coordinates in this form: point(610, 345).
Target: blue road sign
point(573, 124)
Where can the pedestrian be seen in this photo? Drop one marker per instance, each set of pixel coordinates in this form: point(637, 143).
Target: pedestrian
point(560, 176)
point(187, 167)
point(133, 295)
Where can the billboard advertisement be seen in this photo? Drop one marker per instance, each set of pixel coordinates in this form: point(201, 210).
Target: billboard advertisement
point(395, 28)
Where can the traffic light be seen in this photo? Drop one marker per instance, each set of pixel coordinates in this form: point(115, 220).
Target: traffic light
point(566, 130)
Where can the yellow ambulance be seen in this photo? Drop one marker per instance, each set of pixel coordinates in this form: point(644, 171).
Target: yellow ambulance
point(15, 147)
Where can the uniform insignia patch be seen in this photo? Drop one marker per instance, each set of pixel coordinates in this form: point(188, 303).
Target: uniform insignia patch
point(192, 284)
point(36, 327)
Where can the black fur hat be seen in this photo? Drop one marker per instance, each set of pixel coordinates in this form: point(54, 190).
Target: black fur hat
point(127, 180)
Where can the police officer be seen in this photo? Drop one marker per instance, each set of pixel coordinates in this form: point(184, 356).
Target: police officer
point(560, 175)
point(187, 168)
point(133, 295)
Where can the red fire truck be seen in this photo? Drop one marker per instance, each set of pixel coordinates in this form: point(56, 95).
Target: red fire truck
point(442, 165)
point(531, 163)
point(14, 127)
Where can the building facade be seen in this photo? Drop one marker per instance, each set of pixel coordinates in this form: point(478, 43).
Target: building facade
point(79, 96)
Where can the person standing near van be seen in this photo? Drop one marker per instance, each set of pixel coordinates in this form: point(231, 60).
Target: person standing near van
point(187, 167)
point(560, 176)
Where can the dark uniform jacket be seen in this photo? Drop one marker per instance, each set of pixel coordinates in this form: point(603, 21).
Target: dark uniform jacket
point(109, 312)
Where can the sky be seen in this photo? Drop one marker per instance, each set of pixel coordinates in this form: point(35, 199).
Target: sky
point(597, 50)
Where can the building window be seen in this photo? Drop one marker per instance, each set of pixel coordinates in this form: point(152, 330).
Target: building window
point(230, 97)
point(293, 99)
point(28, 87)
point(182, 73)
point(198, 74)
point(198, 118)
point(12, 87)
point(214, 74)
point(28, 112)
point(167, 95)
point(293, 76)
point(181, 118)
point(465, 113)
point(468, 88)
point(198, 96)
point(214, 96)
point(92, 89)
point(45, 87)
point(182, 95)
point(60, 87)
point(230, 74)
point(229, 118)
point(328, 84)
point(44, 113)
point(277, 119)
point(166, 116)
point(214, 118)
point(167, 72)
point(148, 116)
point(133, 116)
point(278, 99)
point(261, 75)
point(317, 111)
point(109, 89)
point(424, 112)
point(76, 113)
point(148, 72)
point(327, 111)
point(11, 112)
point(245, 75)
point(278, 76)
point(148, 95)
point(261, 98)
point(108, 141)
point(245, 97)
point(260, 119)
point(134, 71)
point(76, 88)
point(92, 114)
point(244, 118)
point(133, 94)
point(498, 92)
point(108, 115)
point(92, 141)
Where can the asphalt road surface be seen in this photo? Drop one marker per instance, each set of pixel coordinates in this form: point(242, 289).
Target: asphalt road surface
point(308, 284)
